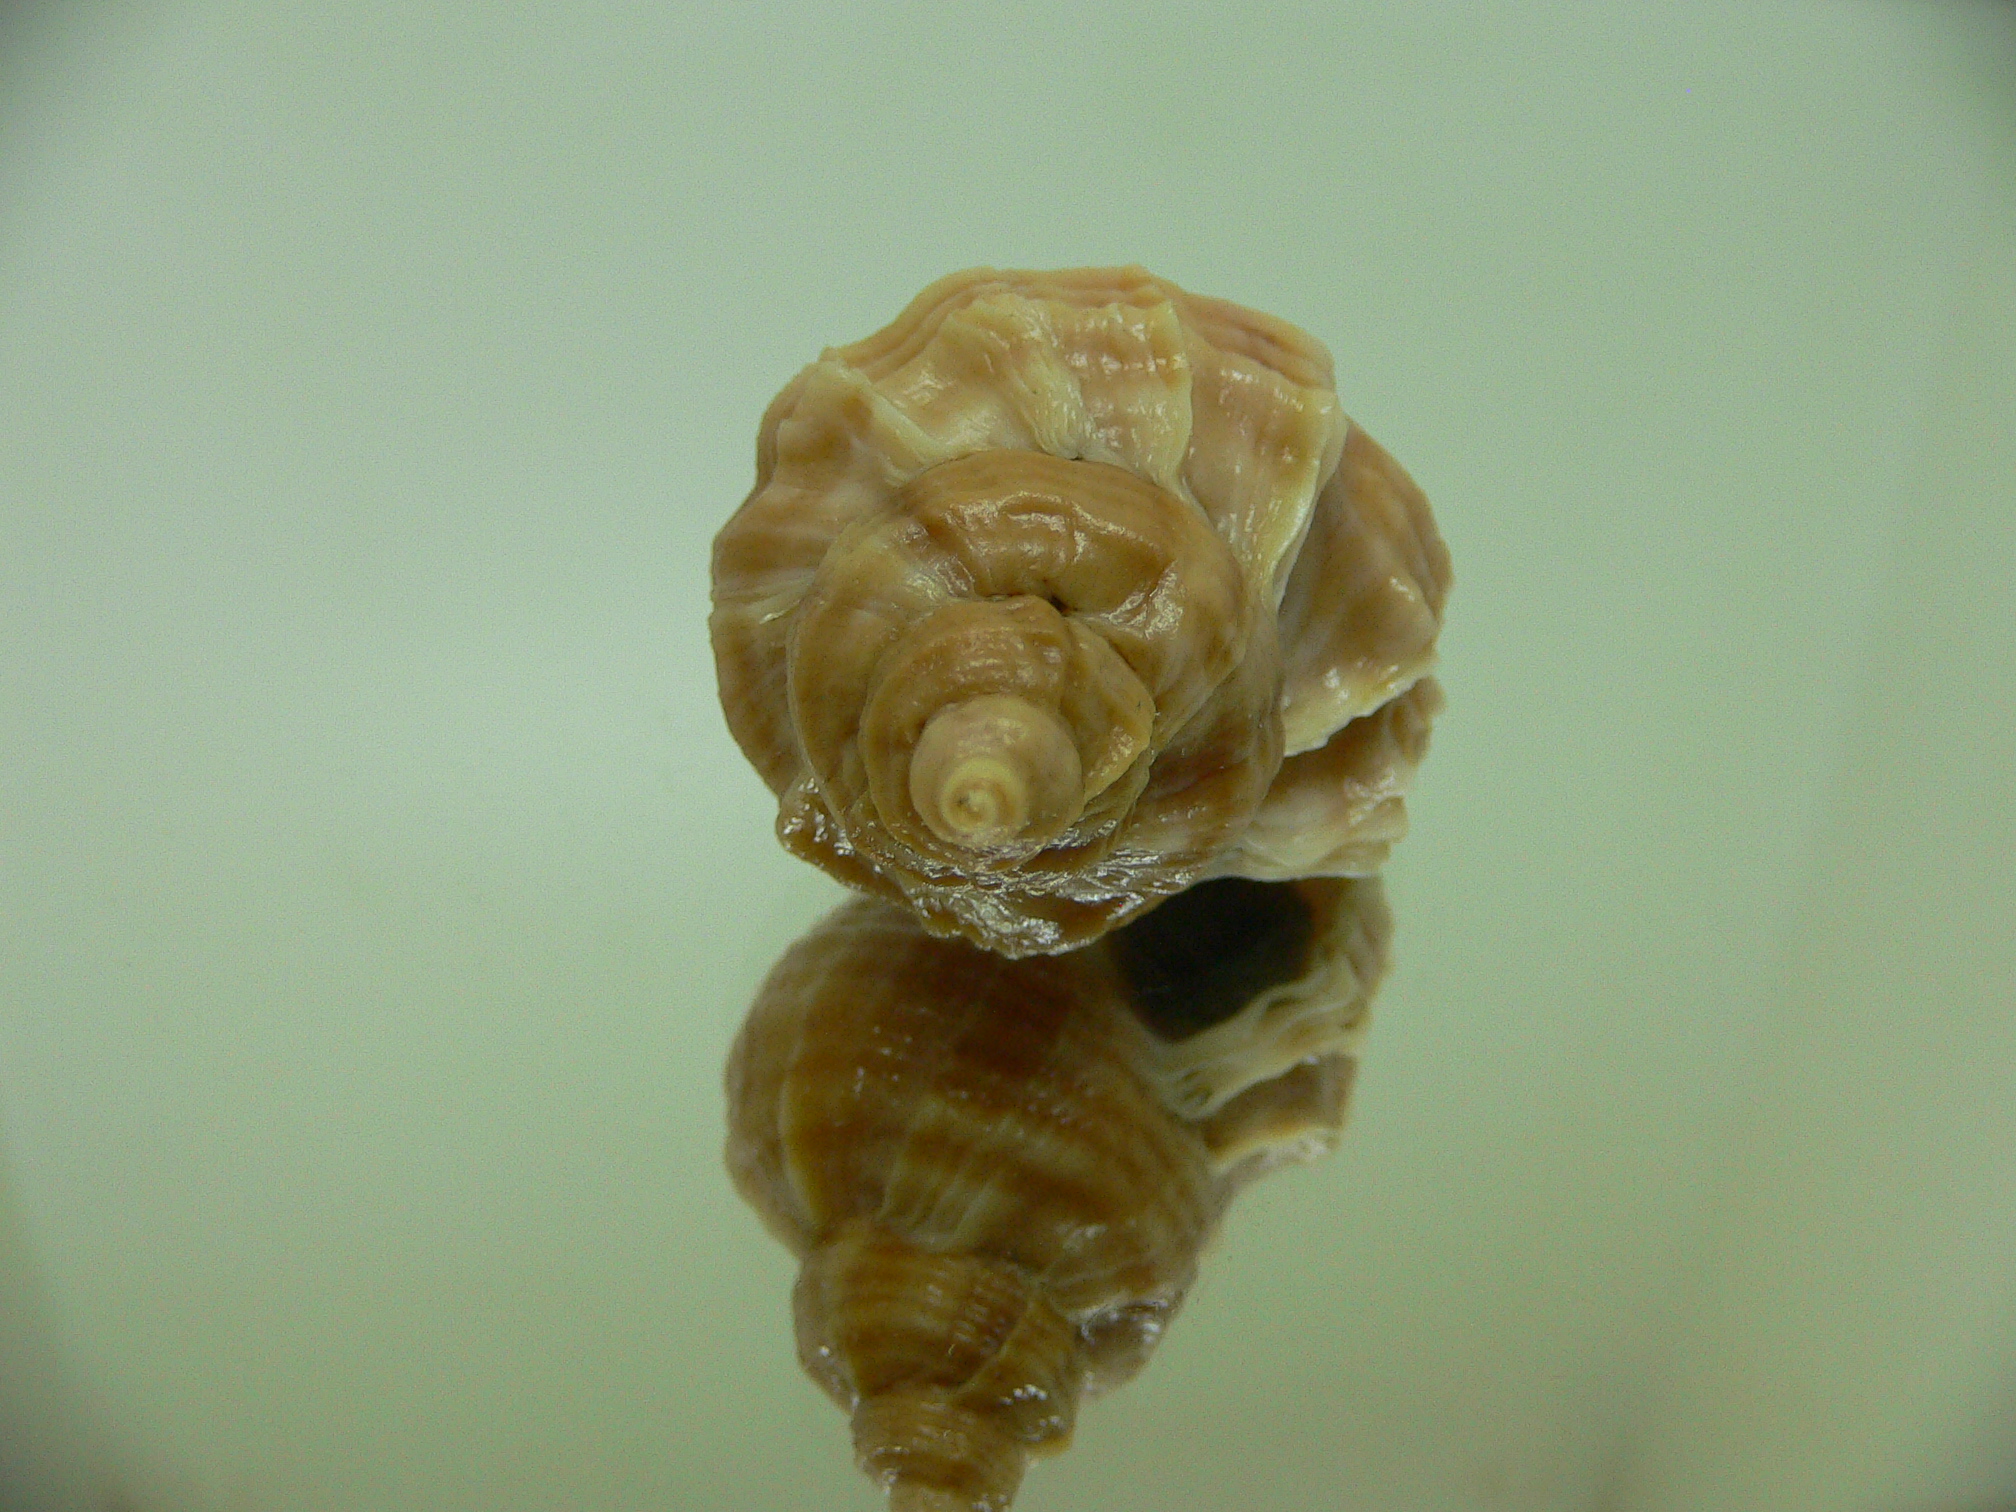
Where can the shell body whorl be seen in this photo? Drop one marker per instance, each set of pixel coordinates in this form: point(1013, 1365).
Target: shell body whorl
point(1038, 586)
point(999, 1175)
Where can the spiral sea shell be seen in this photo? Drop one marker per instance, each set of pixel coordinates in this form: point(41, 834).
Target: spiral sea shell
point(1067, 591)
point(999, 1174)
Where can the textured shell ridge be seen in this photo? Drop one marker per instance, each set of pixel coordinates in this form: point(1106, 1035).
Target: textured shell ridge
point(926, 466)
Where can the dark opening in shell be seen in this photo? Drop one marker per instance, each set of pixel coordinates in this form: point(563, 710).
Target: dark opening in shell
point(1202, 956)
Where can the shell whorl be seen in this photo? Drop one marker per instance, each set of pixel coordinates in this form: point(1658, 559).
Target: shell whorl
point(1034, 592)
point(999, 1174)
point(981, 663)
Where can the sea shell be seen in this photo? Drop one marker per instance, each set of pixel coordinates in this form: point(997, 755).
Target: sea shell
point(999, 1174)
point(1039, 587)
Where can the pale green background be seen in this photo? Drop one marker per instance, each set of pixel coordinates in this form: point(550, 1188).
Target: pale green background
point(379, 887)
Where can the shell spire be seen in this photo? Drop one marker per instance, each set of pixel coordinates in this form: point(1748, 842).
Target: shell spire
point(1039, 586)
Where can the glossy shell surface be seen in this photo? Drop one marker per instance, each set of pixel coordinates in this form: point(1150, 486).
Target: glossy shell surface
point(1066, 591)
point(999, 1174)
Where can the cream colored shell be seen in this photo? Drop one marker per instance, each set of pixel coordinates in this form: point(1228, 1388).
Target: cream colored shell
point(1038, 587)
point(999, 1174)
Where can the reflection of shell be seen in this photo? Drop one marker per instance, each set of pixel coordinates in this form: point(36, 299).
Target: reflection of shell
point(999, 1174)
point(1038, 587)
